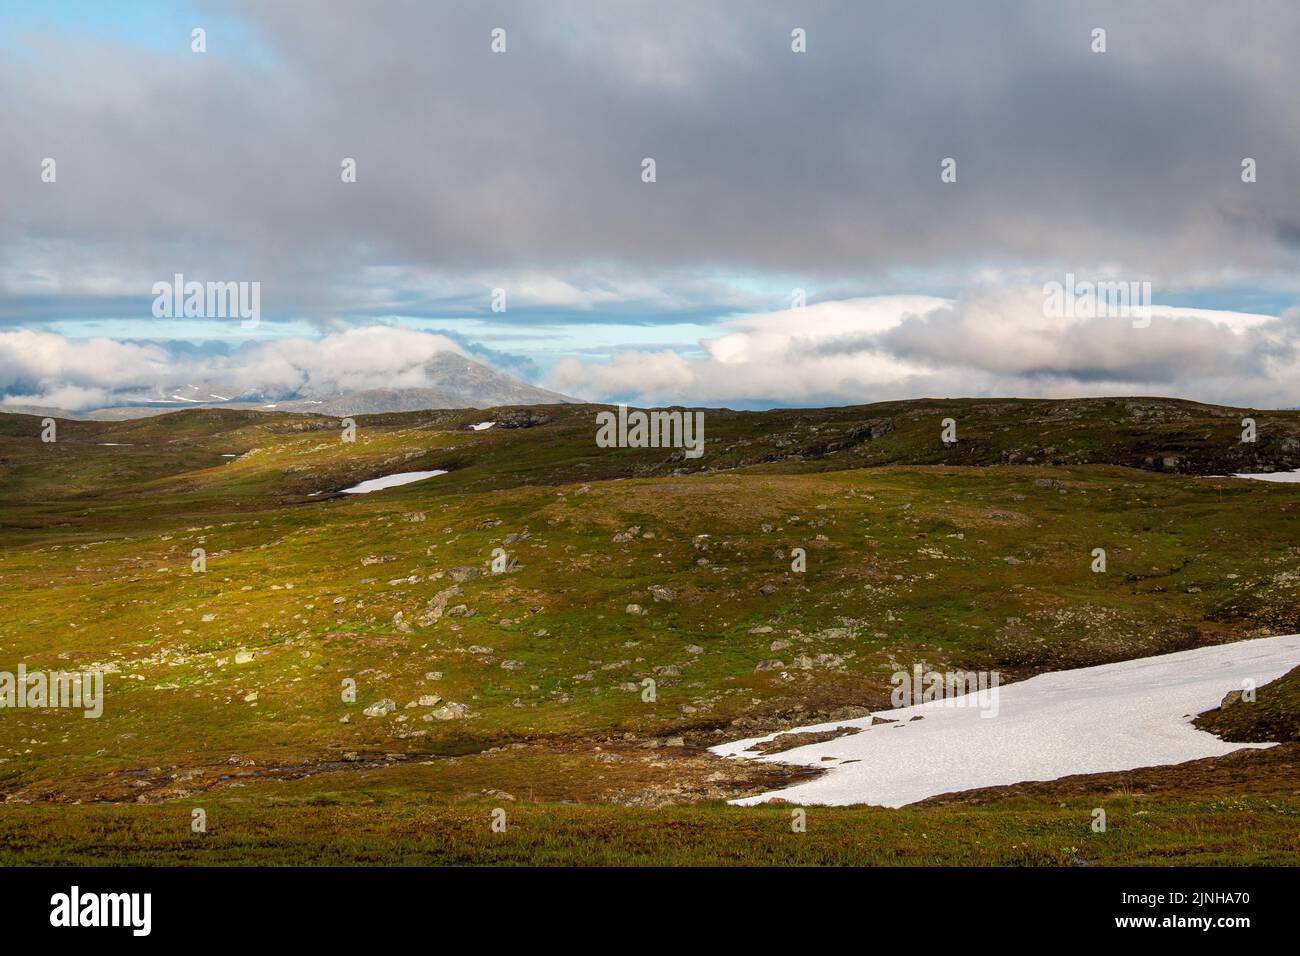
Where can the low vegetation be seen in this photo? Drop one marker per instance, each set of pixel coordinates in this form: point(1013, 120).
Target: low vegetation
point(502, 624)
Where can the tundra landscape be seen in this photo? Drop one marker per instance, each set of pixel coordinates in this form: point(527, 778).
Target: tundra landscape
point(540, 468)
point(567, 634)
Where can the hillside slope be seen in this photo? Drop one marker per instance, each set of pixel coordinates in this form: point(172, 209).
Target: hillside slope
point(622, 566)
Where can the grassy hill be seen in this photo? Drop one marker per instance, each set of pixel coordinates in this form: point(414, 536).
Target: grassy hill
point(624, 565)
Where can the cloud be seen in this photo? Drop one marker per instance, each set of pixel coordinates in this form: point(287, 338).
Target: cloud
point(43, 368)
point(526, 164)
point(990, 341)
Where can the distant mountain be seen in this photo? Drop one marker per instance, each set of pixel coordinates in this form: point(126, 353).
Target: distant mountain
point(454, 381)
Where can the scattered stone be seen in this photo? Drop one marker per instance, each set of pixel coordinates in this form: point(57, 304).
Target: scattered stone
point(381, 708)
point(452, 711)
point(433, 611)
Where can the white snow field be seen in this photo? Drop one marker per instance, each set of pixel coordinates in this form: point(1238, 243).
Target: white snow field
point(1091, 720)
point(1287, 476)
point(390, 481)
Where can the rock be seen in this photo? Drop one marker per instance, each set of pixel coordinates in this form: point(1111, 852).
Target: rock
point(1232, 697)
point(380, 708)
point(462, 574)
point(512, 665)
point(250, 697)
point(694, 649)
point(521, 419)
point(770, 665)
point(429, 700)
point(243, 657)
point(433, 611)
point(768, 589)
point(452, 711)
point(675, 742)
point(635, 609)
point(661, 593)
point(778, 646)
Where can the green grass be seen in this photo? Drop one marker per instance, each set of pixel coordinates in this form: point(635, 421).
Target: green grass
point(914, 554)
point(413, 832)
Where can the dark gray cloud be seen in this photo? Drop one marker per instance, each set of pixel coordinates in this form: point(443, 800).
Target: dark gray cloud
point(477, 169)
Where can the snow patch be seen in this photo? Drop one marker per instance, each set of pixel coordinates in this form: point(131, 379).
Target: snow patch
point(390, 481)
point(1288, 476)
point(1091, 720)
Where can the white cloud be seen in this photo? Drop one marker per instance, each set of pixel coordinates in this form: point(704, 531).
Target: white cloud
point(43, 368)
point(991, 341)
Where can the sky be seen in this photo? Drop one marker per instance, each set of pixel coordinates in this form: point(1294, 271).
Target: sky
point(776, 169)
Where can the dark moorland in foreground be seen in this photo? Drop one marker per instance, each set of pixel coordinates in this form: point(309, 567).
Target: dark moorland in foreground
point(522, 689)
